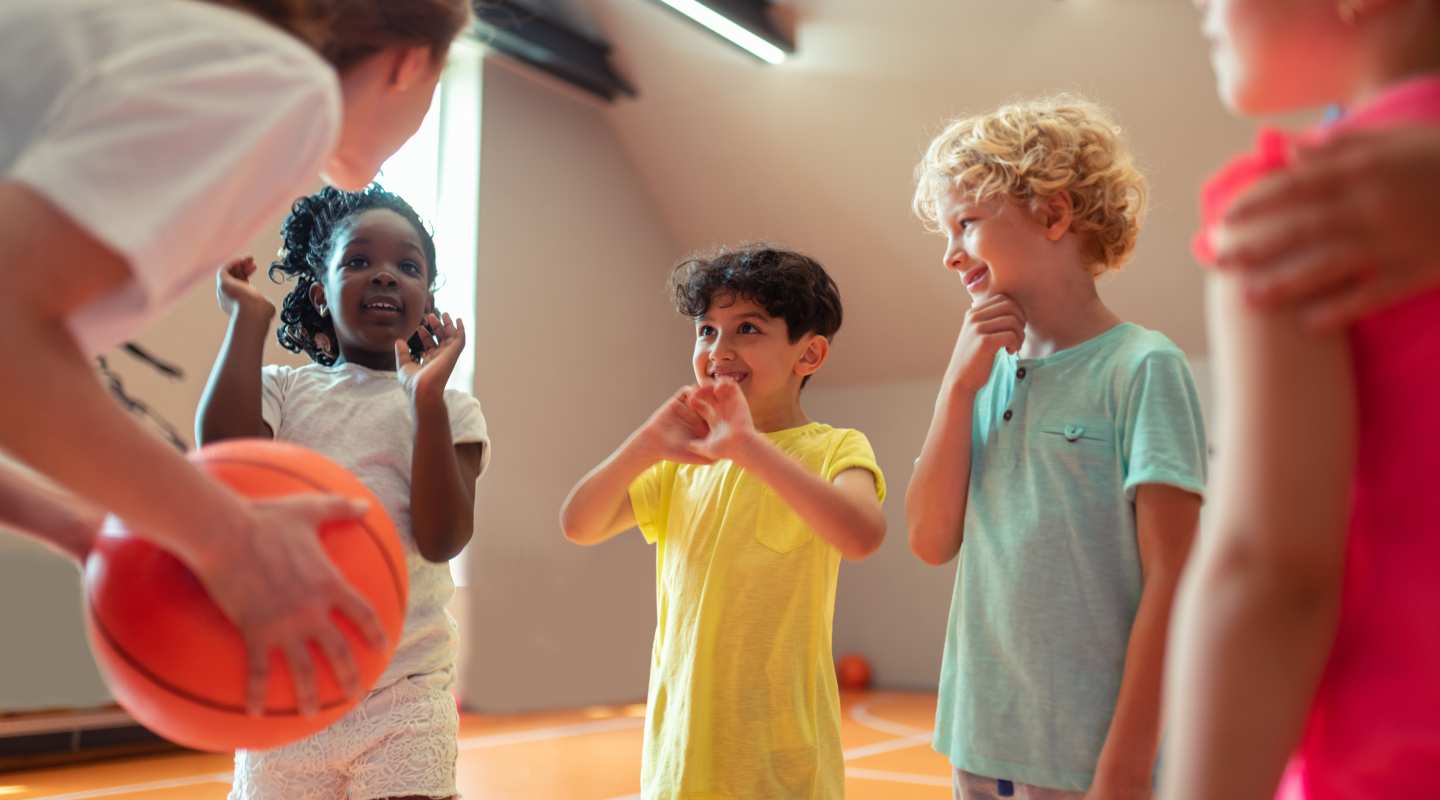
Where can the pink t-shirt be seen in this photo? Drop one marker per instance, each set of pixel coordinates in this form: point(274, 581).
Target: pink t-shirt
point(1374, 726)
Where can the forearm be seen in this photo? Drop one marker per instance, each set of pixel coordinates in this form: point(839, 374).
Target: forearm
point(1249, 652)
point(936, 498)
point(1128, 757)
point(109, 459)
point(599, 505)
point(854, 528)
point(230, 406)
point(442, 506)
point(31, 506)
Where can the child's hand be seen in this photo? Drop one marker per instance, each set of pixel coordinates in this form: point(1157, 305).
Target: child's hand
point(672, 431)
point(442, 341)
point(235, 293)
point(1348, 230)
point(991, 324)
point(723, 407)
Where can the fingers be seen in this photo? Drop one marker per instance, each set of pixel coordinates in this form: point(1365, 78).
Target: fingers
point(342, 663)
point(302, 675)
point(257, 656)
point(403, 355)
point(1346, 306)
point(352, 606)
point(318, 508)
point(1309, 273)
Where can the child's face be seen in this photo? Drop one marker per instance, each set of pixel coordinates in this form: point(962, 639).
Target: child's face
point(377, 284)
point(1272, 56)
point(737, 339)
point(995, 246)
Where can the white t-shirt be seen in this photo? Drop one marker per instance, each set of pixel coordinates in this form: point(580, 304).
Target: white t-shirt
point(361, 418)
point(172, 130)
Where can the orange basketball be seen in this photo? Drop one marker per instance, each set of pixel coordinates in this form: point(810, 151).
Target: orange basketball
point(852, 672)
point(173, 659)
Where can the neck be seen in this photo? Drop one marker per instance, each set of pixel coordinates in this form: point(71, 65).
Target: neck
point(1058, 320)
point(384, 362)
point(1404, 48)
point(778, 414)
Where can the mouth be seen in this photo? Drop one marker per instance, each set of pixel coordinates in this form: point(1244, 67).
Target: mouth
point(975, 276)
point(383, 307)
point(735, 375)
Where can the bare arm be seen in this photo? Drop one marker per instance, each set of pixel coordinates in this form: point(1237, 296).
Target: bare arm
point(442, 484)
point(939, 489)
point(1258, 607)
point(1166, 519)
point(938, 493)
point(32, 506)
point(230, 406)
point(599, 507)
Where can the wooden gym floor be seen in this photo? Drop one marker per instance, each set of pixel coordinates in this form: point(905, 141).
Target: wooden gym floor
point(591, 754)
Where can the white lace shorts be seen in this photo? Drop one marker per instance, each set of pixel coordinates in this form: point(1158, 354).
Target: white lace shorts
point(399, 742)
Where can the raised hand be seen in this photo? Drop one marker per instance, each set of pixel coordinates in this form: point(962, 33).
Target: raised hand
point(726, 412)
point(235, 292)
point(441, 341)
point(672, 431)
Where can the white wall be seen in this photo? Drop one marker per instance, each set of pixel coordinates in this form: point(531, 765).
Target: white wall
point(575, 346)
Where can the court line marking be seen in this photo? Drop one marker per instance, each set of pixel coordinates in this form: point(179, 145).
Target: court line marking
point(909, 736)
point(173, 783)
point(896, 777)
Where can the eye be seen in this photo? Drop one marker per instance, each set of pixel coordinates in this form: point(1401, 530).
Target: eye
point(749, 327)
point(966, 223)
point(412, 268)
point(705, 331)
point(357, 262)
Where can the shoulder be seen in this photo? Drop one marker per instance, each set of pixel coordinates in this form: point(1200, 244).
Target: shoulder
point(1139, 349)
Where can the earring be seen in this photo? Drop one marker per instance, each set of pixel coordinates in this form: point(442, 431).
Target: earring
point(322, 341)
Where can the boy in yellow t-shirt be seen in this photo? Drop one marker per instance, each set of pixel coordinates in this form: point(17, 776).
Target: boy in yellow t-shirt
point(751, 506)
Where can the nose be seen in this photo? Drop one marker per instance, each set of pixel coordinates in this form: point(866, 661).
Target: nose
point(383, 277)
point(955, 257)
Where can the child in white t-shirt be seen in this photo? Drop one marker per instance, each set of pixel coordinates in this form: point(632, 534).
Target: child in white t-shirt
point(364, 266)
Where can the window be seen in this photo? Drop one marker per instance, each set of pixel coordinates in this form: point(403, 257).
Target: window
point(438, 172)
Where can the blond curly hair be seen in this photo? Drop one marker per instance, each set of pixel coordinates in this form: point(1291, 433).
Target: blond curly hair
point(1031, 152)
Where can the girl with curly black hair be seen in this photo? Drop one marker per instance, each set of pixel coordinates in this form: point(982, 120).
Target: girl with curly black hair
point(373, 400)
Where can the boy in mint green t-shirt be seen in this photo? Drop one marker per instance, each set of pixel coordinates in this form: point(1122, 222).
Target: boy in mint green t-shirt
point(1065, 463)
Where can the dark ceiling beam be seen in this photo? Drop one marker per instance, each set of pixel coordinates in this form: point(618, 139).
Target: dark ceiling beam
point(549, 45)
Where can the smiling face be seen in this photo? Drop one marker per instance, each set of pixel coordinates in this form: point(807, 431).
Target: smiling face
point(995, 246)
point(377, 286)
point(737, 339)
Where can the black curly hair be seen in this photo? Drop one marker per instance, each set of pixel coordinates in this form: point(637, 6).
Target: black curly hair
point(788, 285)
point(309, 234)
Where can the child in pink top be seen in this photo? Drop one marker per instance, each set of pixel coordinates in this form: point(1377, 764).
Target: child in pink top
point(1309, 625)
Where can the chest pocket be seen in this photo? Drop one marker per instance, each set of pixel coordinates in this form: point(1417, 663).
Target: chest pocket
point(778, 527)
point(1081, 444)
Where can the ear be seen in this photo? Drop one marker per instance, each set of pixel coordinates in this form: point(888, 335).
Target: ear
point(410, 65)
point(317, 299)
point(1057, 214)
point(813, 356)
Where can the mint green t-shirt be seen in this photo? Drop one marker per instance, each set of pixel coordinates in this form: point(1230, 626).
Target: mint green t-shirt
point(1049, 574)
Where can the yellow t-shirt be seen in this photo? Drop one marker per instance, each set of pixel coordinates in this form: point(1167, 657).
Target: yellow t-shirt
point(743, 702)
